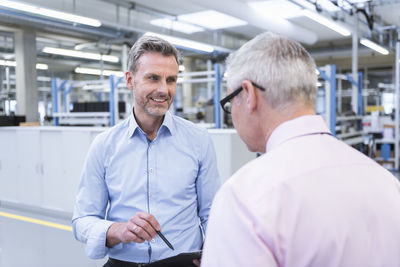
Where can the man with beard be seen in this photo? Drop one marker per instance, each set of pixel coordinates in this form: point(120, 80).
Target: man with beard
point(152, 172)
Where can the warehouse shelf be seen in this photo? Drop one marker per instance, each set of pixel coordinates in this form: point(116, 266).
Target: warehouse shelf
point(348, 118)
point(350, 134)
point(213, 78)
point(386, 160)
point(346, 128)
point(61, 90)
point(83, 118)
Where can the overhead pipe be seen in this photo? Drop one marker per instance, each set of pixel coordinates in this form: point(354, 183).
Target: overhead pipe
point(47, 24)
point(244, 12)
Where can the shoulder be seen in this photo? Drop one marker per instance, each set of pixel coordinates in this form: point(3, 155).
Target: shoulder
point(107, 137)
point(186, 127)
point(258, 175)
point(255, 171)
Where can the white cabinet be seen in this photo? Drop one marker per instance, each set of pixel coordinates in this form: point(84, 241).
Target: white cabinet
point(63, 154)
point(8, 166)
point(40, 166)
point(29, 167)
point(231, 151)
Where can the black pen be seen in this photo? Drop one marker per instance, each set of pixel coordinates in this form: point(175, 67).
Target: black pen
point(165, 240)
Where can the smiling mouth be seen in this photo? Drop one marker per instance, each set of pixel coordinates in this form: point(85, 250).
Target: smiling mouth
point(159, 100)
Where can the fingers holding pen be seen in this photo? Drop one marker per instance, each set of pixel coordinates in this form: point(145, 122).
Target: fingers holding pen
point(139, 231)
point(130, 235)
point(121, 232)
point(144, 226)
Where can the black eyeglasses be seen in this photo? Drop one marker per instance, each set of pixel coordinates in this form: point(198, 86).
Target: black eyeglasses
point(226, 101)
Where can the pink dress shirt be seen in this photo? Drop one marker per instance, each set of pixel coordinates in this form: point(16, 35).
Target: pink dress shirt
point(311, 200)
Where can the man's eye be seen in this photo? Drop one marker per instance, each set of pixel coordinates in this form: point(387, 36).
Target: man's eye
point(171, 80)
point(153, 77)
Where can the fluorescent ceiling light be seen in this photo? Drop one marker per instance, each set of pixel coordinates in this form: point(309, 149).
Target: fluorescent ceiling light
point(374, 46)
point(327, 22)
point(183, 42)
point(12, 63)
point(176, 25)
point(79, 54)
point(276, 8)
point(93, 71)
point(8, 63)
point(212, 20)
point(50, 13)
point(41, 66)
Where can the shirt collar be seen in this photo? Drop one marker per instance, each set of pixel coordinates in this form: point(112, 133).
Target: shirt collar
point(304, 125)
point(135, 128)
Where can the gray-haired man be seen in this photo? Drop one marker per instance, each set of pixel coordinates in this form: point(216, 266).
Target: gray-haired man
point(310, 200)
point(152, 172)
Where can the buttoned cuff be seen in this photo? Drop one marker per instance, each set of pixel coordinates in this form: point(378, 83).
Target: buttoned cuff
point(96, 243)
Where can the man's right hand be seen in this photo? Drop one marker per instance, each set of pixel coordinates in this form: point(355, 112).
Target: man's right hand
point(142, 226)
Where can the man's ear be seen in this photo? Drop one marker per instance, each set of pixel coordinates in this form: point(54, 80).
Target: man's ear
point(129, 79)
point(250, 95)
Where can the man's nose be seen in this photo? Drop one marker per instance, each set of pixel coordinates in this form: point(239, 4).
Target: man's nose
point(163, 87)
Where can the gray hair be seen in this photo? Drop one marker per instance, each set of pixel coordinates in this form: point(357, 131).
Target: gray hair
point(150, 44)
point(282, 66)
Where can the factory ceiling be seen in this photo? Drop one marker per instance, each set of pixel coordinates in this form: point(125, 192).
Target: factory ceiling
point(123, 21)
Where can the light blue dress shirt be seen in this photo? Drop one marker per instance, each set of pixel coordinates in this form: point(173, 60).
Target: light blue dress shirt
point(174, 178)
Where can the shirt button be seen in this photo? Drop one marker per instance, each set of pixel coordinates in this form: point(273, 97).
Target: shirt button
point(153, 241)
point(151, 170)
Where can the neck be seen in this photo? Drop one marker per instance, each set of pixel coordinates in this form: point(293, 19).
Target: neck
point(277, 116)
point(148, 123)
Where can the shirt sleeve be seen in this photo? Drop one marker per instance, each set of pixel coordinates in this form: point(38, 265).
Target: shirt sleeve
point(88, 222)
point(231, 238)
point(208, 181)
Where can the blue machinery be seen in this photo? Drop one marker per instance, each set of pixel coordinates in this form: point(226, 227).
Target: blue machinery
point(217, 96)
point(113, 98)
point(328, 73)
point(65, 87)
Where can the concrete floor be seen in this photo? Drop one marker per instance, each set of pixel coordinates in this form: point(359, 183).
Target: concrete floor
point(25, 243)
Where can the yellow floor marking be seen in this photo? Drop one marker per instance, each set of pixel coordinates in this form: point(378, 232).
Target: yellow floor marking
point(36, 221)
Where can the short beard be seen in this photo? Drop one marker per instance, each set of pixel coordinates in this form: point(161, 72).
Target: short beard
point(155, 111)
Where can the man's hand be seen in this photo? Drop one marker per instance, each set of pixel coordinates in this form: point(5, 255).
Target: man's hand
point(142, 226)
point(197, 262)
